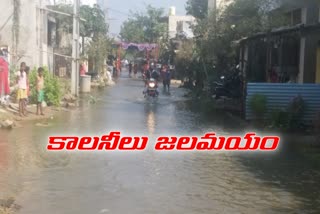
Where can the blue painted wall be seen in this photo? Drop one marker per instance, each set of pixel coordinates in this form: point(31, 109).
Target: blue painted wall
point(279, 95)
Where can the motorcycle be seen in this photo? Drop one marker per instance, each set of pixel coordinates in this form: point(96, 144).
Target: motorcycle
point(230, 87)
point(151, 89)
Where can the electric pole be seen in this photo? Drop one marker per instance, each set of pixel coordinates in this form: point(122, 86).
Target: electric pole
point(75, 49)
point(212, 8)
point(215, 10)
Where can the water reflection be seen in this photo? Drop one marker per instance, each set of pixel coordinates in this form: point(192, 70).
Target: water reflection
point(144, 183)
point(150, 111)
point(4, 162)
point(288, 170)
point(151, 122)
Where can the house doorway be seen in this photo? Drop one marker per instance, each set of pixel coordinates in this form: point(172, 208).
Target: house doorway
point(318, 64)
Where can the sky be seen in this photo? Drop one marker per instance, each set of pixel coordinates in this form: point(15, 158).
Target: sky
point(119, 9)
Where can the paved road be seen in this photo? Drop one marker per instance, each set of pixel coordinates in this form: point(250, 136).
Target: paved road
point(149, 182)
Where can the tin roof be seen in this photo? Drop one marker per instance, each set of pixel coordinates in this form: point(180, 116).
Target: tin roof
point(283, 30)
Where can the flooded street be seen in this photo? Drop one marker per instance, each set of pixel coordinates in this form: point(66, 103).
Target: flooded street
point(149, 182)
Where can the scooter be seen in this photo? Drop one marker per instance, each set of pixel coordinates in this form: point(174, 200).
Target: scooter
point(151, 89)
point(229, 87)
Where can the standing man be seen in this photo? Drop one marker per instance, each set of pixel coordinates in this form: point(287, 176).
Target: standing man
point(82, 69)
point(114, 64)
point(130, 69)
point(40, 90)
point(135, 70)
point(28, 87)
point(118, 67)
point(22, 89)
point(145, 71)
point(166, 77)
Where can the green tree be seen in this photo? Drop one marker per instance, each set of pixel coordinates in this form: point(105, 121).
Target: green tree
point(52, 87)
point(94, 27)
point(98, 50)
point(197, 8)
point(216, 32)
point(95, 21)
point(132, 31)
point(185, 60)
point(145, 26)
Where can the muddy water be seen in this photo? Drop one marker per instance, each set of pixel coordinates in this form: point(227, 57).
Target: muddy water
point(149, 182)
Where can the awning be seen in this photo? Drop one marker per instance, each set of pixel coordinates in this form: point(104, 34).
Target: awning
point(284, 30)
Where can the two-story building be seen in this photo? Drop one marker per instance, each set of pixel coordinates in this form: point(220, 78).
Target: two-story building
point(36, 30)
point(290, 53)
point(179, 25)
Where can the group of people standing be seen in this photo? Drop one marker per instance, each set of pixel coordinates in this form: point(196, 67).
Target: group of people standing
point(151, 71)
point(164, 74)
point(23, 85)
point(23, 90)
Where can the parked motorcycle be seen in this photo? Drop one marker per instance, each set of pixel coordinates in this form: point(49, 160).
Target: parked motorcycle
point(230, 87)
point(151, 89)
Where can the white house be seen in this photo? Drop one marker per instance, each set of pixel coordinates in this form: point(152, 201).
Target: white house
point(219, 4)
point(180, 24)
point(35, 32)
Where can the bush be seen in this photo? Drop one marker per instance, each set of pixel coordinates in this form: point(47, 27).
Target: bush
point(13, 69)
point(280, 118)
point(296, 111)
point(291, 117)
point(258, 104)
point(52, 89)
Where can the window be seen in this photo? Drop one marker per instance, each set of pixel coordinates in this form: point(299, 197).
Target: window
point(294, 17)
point(180, 26)
point(51, 33)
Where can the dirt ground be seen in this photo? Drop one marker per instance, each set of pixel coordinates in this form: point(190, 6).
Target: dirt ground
point(11, 113)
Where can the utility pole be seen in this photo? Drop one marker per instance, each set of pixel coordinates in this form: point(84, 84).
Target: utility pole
point(75, 49)
point(215, 10)
point(212, 8)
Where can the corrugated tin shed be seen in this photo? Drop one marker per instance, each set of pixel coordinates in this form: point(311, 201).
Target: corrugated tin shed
point(279, 95)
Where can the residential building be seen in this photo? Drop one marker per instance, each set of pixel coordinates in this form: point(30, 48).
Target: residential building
point(219, 4)
point(291, 52)
point(36, 33)
point(180, 25)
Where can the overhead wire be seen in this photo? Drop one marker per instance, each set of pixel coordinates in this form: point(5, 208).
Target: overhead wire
point(6, 22)
point(119, 12)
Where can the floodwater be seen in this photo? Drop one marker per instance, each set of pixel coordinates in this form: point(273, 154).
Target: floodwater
point(149, 182)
